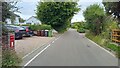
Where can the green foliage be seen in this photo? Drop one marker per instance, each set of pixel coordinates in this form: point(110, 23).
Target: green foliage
point(5, 11)
point(45, 27)
point(56, 14)
point(25, 25)
point(81, 30)
point(109, 24)
point(21, 20)
point(112, 47)
point(78, 25)
point(118, 54)
point(34, 27)
point(112, 8)
point(75, 25)
point(100, 40)
point(101, 25)
point(10, 58)
point(115, 48)
point(94, 16)
point(4, 29)
point(40, 27)
point(8, 9)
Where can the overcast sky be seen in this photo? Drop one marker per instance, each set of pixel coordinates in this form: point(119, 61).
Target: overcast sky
point(28, 8)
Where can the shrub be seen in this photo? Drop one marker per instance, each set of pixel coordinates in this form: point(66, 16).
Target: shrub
point(10, 58)
point(45, 27)
point(104, 42)
point(40, 27)
point(34, 27)
point(81, 30)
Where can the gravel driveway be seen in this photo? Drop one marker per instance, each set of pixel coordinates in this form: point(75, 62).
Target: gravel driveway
point(28, 44)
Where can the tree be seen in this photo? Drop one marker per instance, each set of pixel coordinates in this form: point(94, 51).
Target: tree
point(94, 15)
point(113, 8)
point(77, 25)
point(56, 14)
point(8, 9)
point(21, 20)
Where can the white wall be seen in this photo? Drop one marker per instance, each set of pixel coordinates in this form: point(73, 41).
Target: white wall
point(17, 20)
point(8, 21)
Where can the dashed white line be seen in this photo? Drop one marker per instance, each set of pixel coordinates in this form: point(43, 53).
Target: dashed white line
point(56, 39)
point(36, 55)
point(53, 41)
point(38, 48)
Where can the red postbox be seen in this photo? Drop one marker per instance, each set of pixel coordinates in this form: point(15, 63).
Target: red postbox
point(12, 40)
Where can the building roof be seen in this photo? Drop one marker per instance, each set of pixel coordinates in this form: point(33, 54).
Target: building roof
point(31, 17)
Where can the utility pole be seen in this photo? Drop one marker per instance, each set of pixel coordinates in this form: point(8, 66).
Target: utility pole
point(0, 23)
point(0, 34)
point(0, 11)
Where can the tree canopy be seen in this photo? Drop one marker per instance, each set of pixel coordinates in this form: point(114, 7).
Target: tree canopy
point(8, 9)
point(94, 15)
point(113, 8)
point(56, 14)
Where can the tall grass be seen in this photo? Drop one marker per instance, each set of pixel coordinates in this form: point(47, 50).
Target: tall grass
point(100, 40)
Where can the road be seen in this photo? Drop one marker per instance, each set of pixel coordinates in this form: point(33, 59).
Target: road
point(73, 49)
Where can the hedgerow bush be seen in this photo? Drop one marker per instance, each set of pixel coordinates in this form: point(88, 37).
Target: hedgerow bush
point(10, 59)
point(40, 27)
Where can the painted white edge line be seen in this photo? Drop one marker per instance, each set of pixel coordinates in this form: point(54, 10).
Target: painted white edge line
point(32, 52)
point(101, 47)
point(36, 55)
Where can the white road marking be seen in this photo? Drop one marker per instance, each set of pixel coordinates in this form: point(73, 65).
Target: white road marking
point(36, 55)
point(102, 48)
point(53, 41)
point(38, 48)
point(31, 52)
point(56, 39)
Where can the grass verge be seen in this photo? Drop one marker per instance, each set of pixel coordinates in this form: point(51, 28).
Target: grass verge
point(105, 43)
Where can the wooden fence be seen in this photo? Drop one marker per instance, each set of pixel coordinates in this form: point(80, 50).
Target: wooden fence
point(116, 35)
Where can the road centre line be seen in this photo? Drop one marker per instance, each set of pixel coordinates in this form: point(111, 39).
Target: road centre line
point(36, 55)
point(38, 48)
point(40, 53)
point(53, 41)
point(32, 52)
